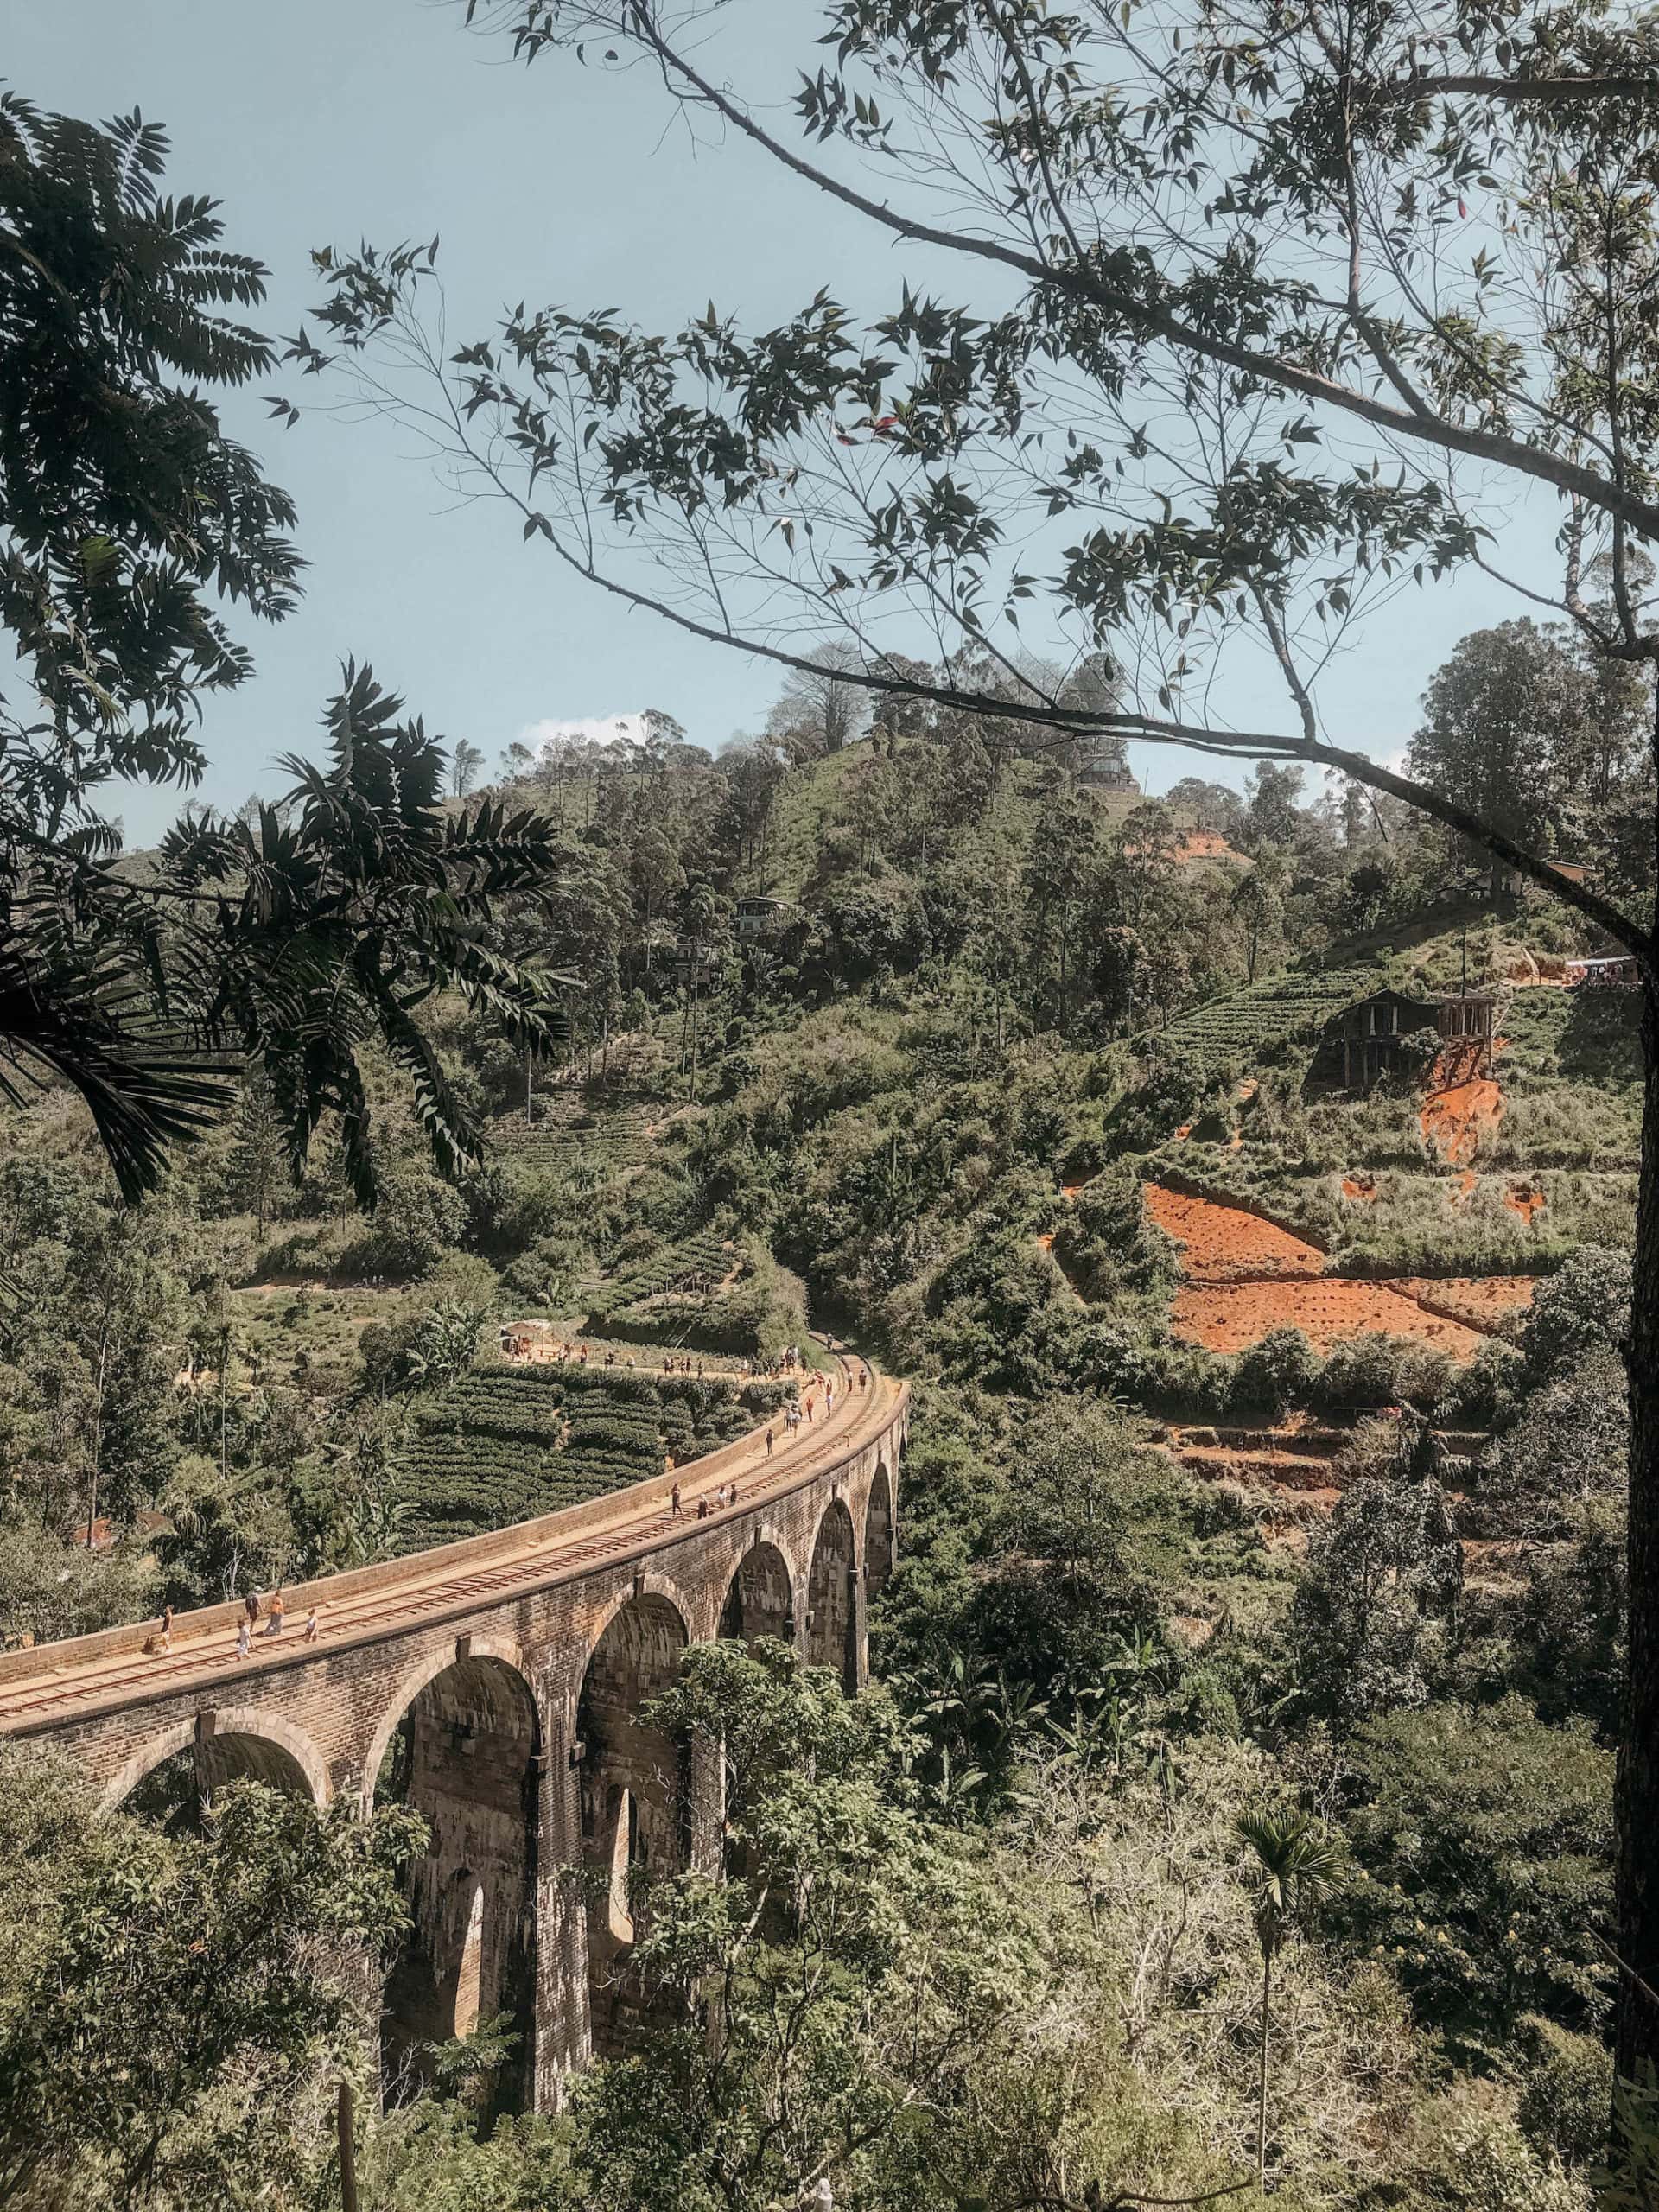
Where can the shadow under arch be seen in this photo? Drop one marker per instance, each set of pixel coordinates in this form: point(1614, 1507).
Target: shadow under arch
point(761, 1598)
point(168, 1779)
point(633, 1792)
point(832, 1597)
point(878, 1532)
point(464, 1751)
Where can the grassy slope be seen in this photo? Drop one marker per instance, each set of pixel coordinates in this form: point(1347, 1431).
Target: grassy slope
point(1569, 1070)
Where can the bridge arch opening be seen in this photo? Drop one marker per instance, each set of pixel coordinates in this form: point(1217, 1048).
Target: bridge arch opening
point(634, 1793)
point(465, 1753)
point(760, 1601)
point(831, 1598)
point(878, 1533)
point(172, 1781)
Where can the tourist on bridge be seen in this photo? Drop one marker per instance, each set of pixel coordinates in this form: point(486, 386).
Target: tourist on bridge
point(702, 1509)
point(674, 1501)
point(274, 1624)
point(165, 1632)
point(720, 1499)
point(769, 1444)
point(251, 1606)
point(244, 1637)
point(313, 1626)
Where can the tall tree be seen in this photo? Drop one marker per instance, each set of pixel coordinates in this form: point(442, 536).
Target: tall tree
point(127, 518)
point(1293, 1864)
point(1212, 243)
point(821, 707)
point(1494, 717)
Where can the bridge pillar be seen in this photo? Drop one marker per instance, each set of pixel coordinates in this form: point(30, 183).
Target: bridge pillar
point(858, 1599)
point(563, 2039)
point(706, 1784)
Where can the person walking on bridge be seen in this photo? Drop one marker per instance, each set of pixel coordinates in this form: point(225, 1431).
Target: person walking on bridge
point(244, 1637)
point(250, 1607)
point(674, 1503)
point(164, 1632)
point(273, 1623)
point(769, 1443)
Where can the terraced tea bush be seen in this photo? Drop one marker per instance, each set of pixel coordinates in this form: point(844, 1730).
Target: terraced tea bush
point(509, 1442)
point(1249, 1022)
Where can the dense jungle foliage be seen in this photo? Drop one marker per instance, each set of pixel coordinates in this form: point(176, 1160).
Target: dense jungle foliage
point(1231, 1814)
point(1032, 1957)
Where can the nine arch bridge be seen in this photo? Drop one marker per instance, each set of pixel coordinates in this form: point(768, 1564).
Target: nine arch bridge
point(497, 1685)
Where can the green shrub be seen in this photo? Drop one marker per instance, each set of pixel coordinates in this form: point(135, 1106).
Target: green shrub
point(1567, 2092)
point(1484, 1841)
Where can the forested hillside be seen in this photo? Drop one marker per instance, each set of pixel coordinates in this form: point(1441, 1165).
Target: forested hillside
point(1256, 1183)
point(1267, 1447)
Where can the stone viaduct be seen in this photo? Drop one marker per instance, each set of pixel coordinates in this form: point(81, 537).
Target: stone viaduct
point(496, 1685)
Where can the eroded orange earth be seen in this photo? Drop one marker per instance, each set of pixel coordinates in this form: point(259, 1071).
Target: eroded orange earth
point(1225, 1243)
point(1457, 1120)
point(1243, 1276)
point(1232, 1316)
point(1524, 1199)
point(1362, 1189)
point(1206, 845)
point(1479, 1300)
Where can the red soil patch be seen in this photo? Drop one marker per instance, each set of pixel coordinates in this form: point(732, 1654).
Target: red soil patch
point(1328, 1312)
point(1069, 1191)
point(1206, 845)
point(1456, 1120)
point(1046, 1243)
point(1525, 1201)
point(1362, 1189)
point(1227, 1244)
point(1478, 1302)
point(1183, 1132)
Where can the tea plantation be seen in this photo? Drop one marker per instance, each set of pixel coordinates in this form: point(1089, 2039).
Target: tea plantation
point(1249, 1022)
point(506, 1443)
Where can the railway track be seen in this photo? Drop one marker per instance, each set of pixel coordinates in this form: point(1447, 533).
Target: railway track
point(87, 1676)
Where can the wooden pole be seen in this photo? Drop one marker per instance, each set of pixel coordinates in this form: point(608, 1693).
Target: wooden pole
point(347, 2150)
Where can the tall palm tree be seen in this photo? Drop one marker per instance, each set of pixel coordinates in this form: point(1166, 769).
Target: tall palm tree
point(1293, 1863)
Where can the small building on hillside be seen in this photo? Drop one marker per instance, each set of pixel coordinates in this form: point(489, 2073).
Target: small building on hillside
point(1619, 973)
point(757, 917)
point(1366, 1042)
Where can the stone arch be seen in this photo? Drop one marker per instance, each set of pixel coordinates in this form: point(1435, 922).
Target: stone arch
point(427, 1670)
point(231, 1742)
point(760, 1596)
point(878, 1531)
point(832, 1596)
point(464, 1751)
point(633, 1795)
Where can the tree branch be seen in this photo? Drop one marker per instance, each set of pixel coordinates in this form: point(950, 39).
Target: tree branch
point(1516, 92)
point(1083, 284)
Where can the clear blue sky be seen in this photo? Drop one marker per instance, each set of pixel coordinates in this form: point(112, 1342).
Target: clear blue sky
point(325, 121)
